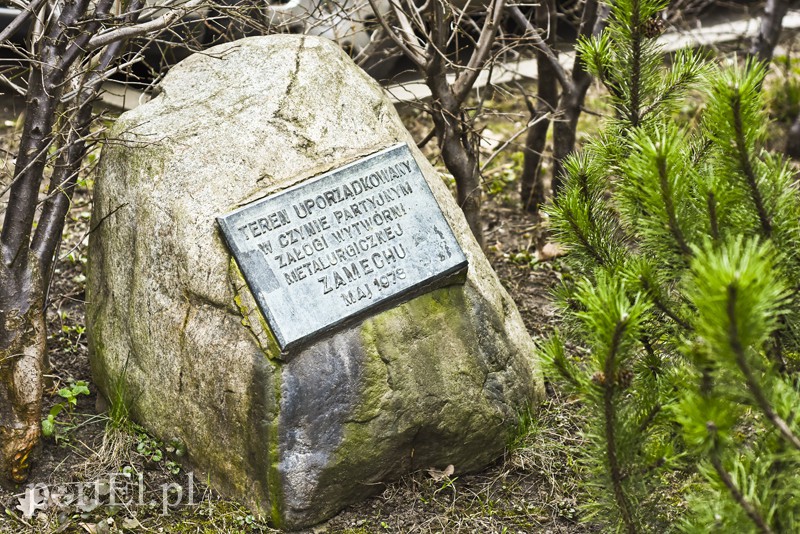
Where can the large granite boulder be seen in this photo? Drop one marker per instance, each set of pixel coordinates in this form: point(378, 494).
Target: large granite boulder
point(175, 333)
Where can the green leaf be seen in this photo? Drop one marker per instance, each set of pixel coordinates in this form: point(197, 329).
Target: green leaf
point(56, 409)
point(48, 426)
point(80, 388)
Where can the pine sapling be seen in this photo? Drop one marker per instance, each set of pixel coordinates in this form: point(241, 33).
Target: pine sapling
point(680, 329)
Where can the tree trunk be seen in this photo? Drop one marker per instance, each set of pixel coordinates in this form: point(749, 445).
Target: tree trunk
point(767, 38)
point(22, 324)
point(763, 48)
point(459, 158)
point(22, 361)
point(793, 139)
point(24, 271)
point(532, 190)
point(468, 183)
point(456, 140)
point(565, 132)
point(569, 106)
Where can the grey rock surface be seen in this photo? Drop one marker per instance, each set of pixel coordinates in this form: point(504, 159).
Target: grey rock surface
point(176, 334)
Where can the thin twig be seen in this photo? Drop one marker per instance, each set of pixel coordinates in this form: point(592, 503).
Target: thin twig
point(749, 509)
point(401, 43)
point(465, 80)
point(20, 19)
point(427, 138)
point(137, 30)
point(511, 139)
point(543, 47)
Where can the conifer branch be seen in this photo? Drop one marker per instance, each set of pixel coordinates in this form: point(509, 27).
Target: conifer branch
point(699, 154)
point(748, 507)
point(706, 379)
point(662, 306)
point(776, 469)
point(650, 418)
point(711, 202)
point(669, 206)
point(648, 348)
point(583, 181)
point(604, 78)
point(584, 240)
point(565, 372)
point(656, 369)
point(649, 192)
point(747, 166)
point(776, 348)
point(586, 196)
point(668, 92)
point(636, 60)
point(610, 413)
point(752, 383)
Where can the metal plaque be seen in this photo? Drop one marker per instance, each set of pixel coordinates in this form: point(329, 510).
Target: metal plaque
point(325, 252)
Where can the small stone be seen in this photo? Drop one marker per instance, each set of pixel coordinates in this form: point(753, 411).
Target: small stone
point(550, 251)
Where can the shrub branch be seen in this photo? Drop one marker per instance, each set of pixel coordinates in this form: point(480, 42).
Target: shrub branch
point(610, 412)
point(750, 378)
point(747, 506)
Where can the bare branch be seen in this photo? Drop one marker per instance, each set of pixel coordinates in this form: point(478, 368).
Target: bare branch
point(65, 174)
point(416, 12)
point(138, 58)
point(408, 33)
point(417, 59)
point(78, 46)
point(11, 85)
point(38, 28)
point(466, 79)
point(137, 30)
point(541, 46)
point(44, 150)
point(511, 139)
point(459, 20)
point(20, 19)
point(45, 83)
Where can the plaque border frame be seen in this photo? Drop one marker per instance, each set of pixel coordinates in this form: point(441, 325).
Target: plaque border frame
point(453, 275)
